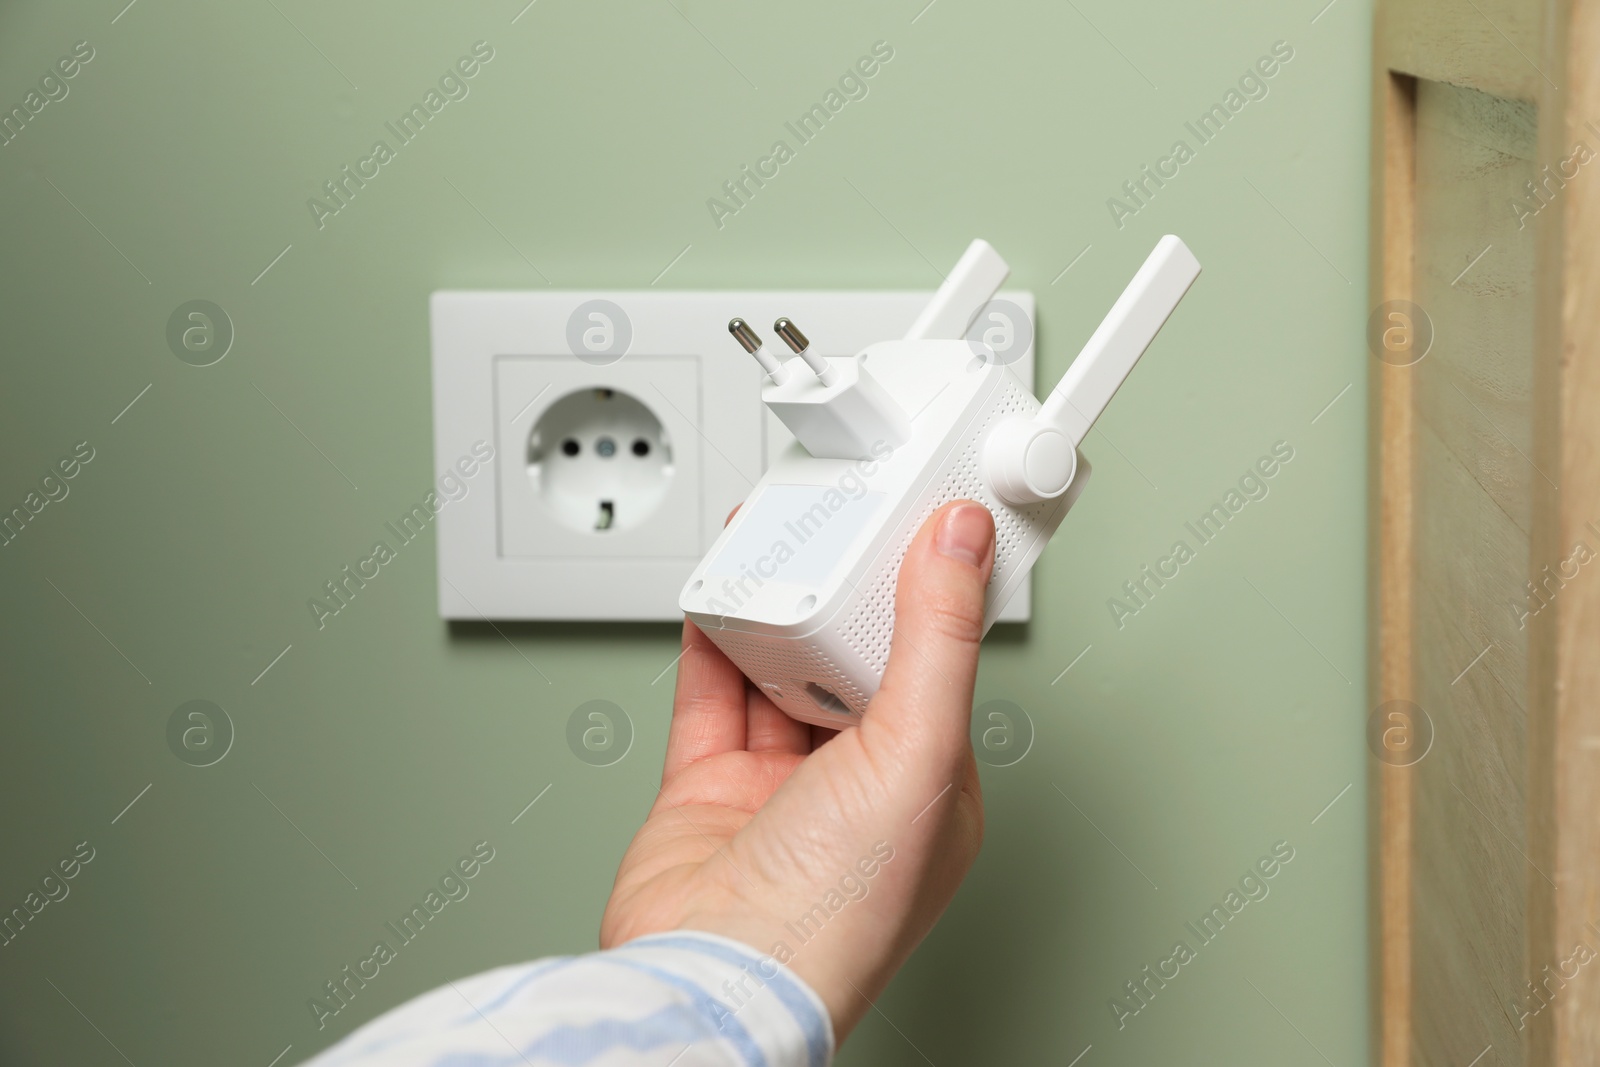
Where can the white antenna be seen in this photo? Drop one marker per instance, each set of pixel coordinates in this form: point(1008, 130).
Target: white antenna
point(1029, 460)
point(971, 284)
point(1124, 334)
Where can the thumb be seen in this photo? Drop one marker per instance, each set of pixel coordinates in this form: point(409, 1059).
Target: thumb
point(924, 704)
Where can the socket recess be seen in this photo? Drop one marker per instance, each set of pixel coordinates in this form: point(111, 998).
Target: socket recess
point(569, 481)
point(626, 426)
point(599, 460)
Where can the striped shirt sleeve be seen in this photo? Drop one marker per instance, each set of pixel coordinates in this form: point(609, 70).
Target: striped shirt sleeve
point(685, 999)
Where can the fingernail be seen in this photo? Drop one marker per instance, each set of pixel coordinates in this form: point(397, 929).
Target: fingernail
point(967, 534)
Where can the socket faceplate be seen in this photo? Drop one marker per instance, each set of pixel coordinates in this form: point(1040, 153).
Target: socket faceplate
point(502, 359)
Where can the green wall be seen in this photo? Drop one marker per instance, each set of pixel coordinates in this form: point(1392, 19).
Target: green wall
point(1220, 719)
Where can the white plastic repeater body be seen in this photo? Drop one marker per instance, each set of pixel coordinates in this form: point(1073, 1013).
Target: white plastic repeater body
point(799, 589)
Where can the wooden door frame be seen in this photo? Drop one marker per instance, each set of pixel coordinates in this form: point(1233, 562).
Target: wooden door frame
point(1557, 67)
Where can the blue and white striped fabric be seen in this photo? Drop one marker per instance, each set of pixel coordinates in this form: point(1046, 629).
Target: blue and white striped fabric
point(684, 999)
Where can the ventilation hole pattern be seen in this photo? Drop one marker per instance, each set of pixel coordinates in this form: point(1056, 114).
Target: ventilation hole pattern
point(791, 664)
point(871, 624)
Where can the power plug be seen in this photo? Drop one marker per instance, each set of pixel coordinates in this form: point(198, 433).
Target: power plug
point(838, 411)
point(798, 590)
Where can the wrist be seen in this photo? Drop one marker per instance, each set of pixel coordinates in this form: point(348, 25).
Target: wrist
point(825, 976)
point(751, 994)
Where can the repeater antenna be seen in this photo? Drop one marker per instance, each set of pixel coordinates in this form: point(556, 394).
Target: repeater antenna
point(1033, 459)
point(971, 284)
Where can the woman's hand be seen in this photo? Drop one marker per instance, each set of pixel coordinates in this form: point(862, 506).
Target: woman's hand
point(834, 851)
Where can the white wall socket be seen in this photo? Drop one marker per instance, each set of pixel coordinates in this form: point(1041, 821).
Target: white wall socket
point(626, 426)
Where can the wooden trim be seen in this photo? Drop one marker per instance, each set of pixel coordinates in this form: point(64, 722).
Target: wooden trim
point(1481, 44)
point(1390, 577)
point(1564, 640)
point(1448, 42)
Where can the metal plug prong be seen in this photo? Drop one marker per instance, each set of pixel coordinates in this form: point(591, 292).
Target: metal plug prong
point(752, 344)
point(744, 335)
point(786, 329)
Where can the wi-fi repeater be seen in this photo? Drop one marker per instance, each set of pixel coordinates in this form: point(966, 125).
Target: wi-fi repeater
point(798, 590)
